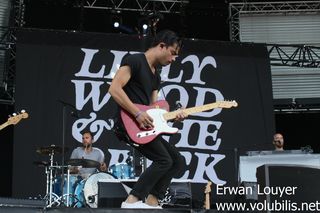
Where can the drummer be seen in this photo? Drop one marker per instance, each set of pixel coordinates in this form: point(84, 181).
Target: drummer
point(87, 151)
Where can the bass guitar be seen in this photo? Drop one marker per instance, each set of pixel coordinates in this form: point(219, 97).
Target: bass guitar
point(160, 115)
point(16, 118)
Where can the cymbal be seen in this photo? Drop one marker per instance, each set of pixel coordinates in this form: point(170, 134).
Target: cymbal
point(41, 163)
point(50, 149)
point(85, 163)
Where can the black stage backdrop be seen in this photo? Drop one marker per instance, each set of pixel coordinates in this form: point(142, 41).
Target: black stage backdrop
point(76, 68)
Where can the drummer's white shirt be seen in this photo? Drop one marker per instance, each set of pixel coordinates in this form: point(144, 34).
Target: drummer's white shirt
point(96, 154)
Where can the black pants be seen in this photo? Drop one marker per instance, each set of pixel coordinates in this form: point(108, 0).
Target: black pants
point(167, 162)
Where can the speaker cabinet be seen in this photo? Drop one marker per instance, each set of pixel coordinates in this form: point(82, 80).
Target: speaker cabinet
point(288, 186)
point(111, 194)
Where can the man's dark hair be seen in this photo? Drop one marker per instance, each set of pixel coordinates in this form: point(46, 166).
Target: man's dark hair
point(168, 37)
point(89, 132)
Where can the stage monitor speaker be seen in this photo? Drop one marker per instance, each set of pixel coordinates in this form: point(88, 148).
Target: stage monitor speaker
point(17, 202)
point(111, 194)
point(178, 195)
point(299, 184)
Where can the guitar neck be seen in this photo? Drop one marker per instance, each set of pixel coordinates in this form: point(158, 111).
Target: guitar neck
point(207, 202)
point(2, 126)
point(172, 115)
point(207, 193)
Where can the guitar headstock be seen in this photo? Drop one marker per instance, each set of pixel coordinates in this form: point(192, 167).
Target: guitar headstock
point(15, 118)
point(208, 187)
point(227, 104)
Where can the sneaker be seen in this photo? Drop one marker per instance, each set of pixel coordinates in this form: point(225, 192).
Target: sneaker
point(154, 207)
point(138, 205)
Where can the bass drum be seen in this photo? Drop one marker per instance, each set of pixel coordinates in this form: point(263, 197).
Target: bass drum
point(87, 190)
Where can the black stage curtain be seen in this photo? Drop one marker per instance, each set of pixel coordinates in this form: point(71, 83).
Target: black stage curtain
point(76, 68)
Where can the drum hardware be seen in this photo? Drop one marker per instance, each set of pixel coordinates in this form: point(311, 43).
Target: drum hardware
point(50, 149)
point(74, 191)
point(60, 186)
point(122, 171)
point(51, 197)
point(133, 160)
point(85, 163)
point(51, 154)
point(91, 198)
point(143, 163)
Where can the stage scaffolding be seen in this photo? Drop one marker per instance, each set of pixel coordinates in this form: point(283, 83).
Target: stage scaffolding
point(294, 65)
point(300, 55)
point(263, 8)
point(162, 6)
point(13, 16)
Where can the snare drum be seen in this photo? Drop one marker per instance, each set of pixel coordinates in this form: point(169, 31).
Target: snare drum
point(87, 190)
point(122, 171)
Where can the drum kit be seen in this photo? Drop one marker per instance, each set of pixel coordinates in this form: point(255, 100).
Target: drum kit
point(63, 188)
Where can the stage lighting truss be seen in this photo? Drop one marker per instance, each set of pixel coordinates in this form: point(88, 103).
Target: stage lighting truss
point(163, 6)
point(294, 55)
point(14, 14)
point(296, 105)
point(298, 55)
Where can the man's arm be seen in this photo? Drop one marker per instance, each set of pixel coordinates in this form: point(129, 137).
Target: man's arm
point(101, 159)
point(121, 78)
point(154, 96)
point(74, 169)
point(116, 90)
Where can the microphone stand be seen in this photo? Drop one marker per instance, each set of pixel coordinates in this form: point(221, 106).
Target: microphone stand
point(63, 149)
point(64, 113)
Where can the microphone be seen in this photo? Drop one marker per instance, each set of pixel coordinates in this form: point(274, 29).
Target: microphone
point(74, 113)
point(178, 105)
point(87, 146)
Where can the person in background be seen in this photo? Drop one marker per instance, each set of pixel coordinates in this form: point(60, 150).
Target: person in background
point(87, 151)
point(278, 142)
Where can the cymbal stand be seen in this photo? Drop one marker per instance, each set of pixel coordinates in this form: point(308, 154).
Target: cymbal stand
point(47, 172)
point(59, 200)
point(50, 182)
point(68, 184)
point(143, 163)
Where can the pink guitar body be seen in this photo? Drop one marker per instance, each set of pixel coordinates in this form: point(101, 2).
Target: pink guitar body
point(143, 136)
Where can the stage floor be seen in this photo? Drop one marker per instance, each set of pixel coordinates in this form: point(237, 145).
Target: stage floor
point(6, 209)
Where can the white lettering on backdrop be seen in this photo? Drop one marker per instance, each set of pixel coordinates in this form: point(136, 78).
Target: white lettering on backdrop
point(208, 129)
